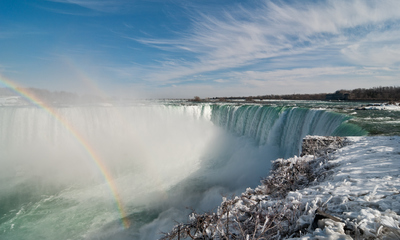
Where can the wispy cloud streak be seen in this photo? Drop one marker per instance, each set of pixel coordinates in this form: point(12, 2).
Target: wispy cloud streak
point(106, 6)
point(245, 36)
point(308, 73)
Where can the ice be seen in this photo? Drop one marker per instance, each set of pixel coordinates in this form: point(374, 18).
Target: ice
point(359, 198)
point(388, 107)
point(364, 187)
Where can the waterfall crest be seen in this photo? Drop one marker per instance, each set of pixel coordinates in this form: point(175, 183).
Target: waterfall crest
point(284, 127)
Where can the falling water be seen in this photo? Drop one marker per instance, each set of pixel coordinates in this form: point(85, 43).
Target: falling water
point(163, 158)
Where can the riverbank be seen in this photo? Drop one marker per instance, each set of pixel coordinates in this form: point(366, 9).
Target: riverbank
point(349, 188)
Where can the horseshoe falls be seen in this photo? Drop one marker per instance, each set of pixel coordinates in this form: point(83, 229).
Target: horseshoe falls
point(280, 126)
point(80, 172)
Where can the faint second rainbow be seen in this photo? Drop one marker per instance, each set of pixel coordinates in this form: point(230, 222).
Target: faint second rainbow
point(82, 141)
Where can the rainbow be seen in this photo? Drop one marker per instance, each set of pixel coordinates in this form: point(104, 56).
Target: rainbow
point(82, 141)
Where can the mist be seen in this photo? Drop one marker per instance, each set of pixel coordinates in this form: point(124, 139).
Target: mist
point(163, 159)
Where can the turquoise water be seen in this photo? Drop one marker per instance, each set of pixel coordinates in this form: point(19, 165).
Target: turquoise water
point(164, 158)
point(375, 122)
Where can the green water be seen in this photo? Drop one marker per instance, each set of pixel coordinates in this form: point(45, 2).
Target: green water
point(375, 122)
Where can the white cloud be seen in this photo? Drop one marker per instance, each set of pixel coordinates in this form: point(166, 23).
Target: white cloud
point(375, 49)
point(253, 83)
point(311, 73)
point(241, 37)
point(298, 73)
point(314, 80)
point(221, 81)
point(97, 5)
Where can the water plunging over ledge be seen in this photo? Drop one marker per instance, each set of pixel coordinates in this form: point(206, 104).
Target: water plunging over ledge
point(157, 158)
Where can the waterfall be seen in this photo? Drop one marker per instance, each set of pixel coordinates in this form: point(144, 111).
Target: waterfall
point(162, 158)
point(284, 127)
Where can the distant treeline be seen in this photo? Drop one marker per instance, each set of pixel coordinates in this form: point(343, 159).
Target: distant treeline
point(377, 93)
point(319, 96)
point(360, 94)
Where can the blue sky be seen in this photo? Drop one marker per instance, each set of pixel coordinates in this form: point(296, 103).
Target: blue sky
point(206, 48)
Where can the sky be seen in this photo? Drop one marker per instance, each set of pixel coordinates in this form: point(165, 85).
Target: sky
point(205, 48)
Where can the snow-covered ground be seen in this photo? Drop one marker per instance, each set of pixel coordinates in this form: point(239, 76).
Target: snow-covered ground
point(383, 106)
point(363, 190)
point(352, 193)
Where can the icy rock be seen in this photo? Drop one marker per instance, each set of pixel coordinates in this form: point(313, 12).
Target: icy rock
point(318, 146)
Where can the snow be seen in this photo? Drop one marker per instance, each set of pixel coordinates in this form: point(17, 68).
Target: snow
point(364, 188)
point(351, 193)
point(387, 107)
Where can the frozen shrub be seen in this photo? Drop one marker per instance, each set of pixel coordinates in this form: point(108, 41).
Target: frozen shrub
point(267, 212)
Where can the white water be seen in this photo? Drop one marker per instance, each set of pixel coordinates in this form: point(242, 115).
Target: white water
point(162, 158)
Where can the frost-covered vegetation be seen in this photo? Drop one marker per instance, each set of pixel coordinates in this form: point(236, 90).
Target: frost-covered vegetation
point(351, 193)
